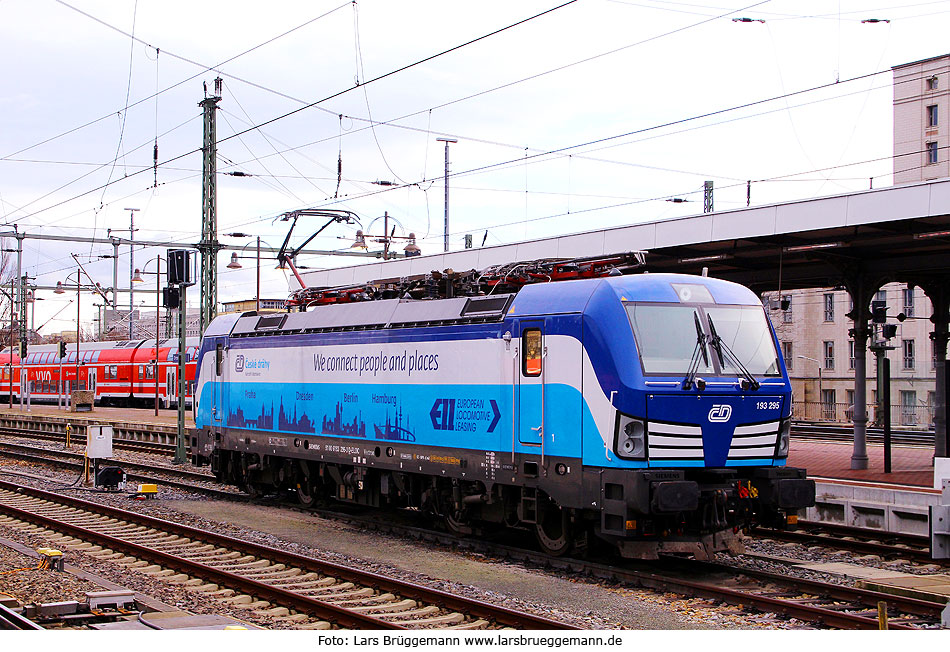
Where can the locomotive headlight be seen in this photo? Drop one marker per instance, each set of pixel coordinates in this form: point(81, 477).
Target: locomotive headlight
point(631, 438)
point(784, 437)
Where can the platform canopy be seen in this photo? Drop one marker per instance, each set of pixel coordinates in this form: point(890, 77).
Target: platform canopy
point(901, 231)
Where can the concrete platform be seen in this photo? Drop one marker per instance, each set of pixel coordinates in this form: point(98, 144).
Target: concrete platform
point(899, 501)
point(932, 588)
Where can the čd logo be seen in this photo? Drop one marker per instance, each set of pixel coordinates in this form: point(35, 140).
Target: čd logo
point(720, 413)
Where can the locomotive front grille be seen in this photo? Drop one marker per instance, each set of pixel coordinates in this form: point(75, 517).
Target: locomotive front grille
point(668, 441)
point(754, 442)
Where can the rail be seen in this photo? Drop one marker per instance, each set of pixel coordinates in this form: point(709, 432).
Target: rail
point(10, 619)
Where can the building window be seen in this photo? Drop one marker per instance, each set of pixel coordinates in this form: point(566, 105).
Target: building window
point(931, 404)
point(787, 354)
point(829, 307)
point(931, 153)
point(851, 354)
point(932, 83)
point(849, 398)
point(829, 348)
point(881, 295)
point(908, 302)
point(908, 349)
point(828, 405)
point(908, 408)
point(932, 115)
point(787, 313)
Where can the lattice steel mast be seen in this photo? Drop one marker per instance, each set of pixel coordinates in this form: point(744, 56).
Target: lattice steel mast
point(209, 246)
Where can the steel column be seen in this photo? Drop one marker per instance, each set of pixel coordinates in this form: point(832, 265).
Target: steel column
point(208, 298)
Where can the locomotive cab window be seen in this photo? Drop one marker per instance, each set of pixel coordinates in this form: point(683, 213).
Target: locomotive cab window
point(532, 353)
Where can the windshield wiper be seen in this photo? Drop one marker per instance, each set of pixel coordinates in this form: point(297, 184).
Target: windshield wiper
point(722, 348)
point(698, 351)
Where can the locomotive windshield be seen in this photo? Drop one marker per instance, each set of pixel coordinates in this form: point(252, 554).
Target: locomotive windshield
point(666, 338)
point(744, 330)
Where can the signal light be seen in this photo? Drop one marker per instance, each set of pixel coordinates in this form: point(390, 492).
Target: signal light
point(171, 298)
point(23, 348)
point(878, 312)
point(888, 331)
point(62, 350)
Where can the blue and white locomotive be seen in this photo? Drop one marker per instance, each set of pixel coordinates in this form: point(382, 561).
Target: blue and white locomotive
point(650, 410)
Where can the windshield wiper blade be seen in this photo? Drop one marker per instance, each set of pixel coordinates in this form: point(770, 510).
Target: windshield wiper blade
point(700, 348)
point(723, 348)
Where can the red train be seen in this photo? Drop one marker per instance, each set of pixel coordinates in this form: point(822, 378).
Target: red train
point(120, 373)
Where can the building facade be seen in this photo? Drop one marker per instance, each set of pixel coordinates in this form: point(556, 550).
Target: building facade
point(246, 305)
point(819, 353)
point(922, 120)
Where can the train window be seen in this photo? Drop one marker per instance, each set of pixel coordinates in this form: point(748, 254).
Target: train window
point(669, 337)
point(141, 371)
point(218, 359)
point(746, 332)
point(150, 371)
point(531, 347)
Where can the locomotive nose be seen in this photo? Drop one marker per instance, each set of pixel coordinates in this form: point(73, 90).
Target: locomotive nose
point(712, 430)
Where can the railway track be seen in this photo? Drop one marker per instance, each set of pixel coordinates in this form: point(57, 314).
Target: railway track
point(266, 580)
point(833, 605)
point(824, 603)
point(888, 545)
point(815, 602)
point(179, 478)
point(79, 440)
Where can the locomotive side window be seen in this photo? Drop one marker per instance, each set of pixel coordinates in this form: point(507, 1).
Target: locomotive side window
point(531, 346)
point(218, 359)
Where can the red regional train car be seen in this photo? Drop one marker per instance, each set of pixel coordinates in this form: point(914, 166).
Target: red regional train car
point(120, 373)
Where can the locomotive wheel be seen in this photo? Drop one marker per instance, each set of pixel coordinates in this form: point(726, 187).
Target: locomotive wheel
point(306, 495)
point(553, 531)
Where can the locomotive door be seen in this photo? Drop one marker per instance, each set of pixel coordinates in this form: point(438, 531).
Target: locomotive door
point(217, 395)
point(531, 353)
